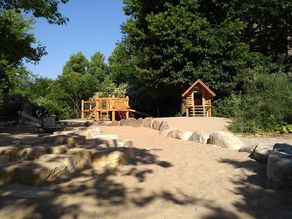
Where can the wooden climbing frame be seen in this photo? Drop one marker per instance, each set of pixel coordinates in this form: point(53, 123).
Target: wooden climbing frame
point(105, 108)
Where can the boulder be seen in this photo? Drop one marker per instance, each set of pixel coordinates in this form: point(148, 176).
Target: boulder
point(163, 127)
point(125, 143)
point(174, 133)
point(282, 147)
point(31, 153)
point(225, 140)
point(111, 160)
point(138, 123)
point(166, 132)
point(248, 148)
point(83, 157)
point(58, 149)
point(261, 151)
point(36, 172)
point(199, 137)
point(74, 141)
point(114, 123)
point(4, 159)
point(128, 122)
point(90, 132)
point(11, 151)
point(184, 135)
point(147, 122)
point(69, 161)
point(109, 140)
point(156, 124)
point(279, 169)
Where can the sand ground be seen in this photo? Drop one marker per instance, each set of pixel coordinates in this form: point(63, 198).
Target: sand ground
point(170, 178)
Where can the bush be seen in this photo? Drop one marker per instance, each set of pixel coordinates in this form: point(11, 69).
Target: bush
point(227, 107)
point(266, 104)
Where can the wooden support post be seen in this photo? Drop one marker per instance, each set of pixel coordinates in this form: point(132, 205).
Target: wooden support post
point(187, 112)
point(113, 115)
point(82, 109)
point(127, 115)
point(203, 105)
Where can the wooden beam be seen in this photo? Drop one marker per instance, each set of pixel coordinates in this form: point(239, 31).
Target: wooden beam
point(82, 109)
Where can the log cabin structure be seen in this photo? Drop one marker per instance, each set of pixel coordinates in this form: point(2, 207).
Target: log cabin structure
point(196, 100)
point(106, 108)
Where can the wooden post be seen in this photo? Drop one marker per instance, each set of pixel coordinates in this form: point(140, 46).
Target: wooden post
point(82, 109)
point(96, 112)
point(203, 104)
point(187, 112)
point(127, 115)
point(113, 115)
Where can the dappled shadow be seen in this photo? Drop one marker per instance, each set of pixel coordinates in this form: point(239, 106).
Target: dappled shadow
point(257, 199)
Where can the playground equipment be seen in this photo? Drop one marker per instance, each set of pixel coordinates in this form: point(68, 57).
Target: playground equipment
point(196, 100)
point(44, 121)
point(107, 108)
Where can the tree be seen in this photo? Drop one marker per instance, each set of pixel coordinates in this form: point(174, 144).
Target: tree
point(77, 63)
point(121, 66)
point(98, 67)
point(38, 8)
point(18, 44)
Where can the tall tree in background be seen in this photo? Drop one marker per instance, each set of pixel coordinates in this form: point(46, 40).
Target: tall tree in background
point(76, 63)
point(98, 67)
point(18, 44)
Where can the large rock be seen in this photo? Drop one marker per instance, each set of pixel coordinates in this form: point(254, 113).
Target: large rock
point(70, 161)
point(10, 151)
point(109, 140)
point(114, 123)
point(225, 140)
point(83, 157)
point(61, 149)
point(279, 167)
point(163, 127)
point(74, 141)
point(4, 159)
point(111, 160)
point(36, 172)
point(156, 124)
point(128, 122)
point(199, 137)
point(31, 153)
point(174, 133)
point(248, 148)
point(147, 122)
point(88, 132)
point(261, 151)
point(178, 134)
point(125, 143)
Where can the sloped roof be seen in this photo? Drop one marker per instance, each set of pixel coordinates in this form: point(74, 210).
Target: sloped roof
point(202, 84)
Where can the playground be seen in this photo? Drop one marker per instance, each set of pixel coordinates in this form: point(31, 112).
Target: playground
point(168, 178)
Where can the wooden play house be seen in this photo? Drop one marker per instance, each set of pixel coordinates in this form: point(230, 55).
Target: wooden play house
point(196, 100)
point(108, 108)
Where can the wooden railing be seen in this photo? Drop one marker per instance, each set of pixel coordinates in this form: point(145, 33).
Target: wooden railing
point(95, 107)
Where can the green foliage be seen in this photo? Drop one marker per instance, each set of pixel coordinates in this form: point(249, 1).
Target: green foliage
point(109, 89)
point(97, 66)
point(77, 63)
point(227, 107)
point(284, 129)
point(121, 66)
point(38, 8)
point(266, 105)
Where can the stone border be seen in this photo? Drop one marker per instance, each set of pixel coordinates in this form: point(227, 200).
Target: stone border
point(279, 162)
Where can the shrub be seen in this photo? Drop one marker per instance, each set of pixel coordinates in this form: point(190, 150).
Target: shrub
point(266, 104)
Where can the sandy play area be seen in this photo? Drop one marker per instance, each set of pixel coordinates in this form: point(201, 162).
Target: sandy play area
point(169, 178)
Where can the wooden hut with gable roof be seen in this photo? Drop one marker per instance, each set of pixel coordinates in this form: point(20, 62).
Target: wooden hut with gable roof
point(196, 100)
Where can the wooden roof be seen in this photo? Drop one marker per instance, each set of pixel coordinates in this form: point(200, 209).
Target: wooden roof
point(211, 93)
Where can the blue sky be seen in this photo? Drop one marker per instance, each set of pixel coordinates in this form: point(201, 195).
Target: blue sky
point(94, 26)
